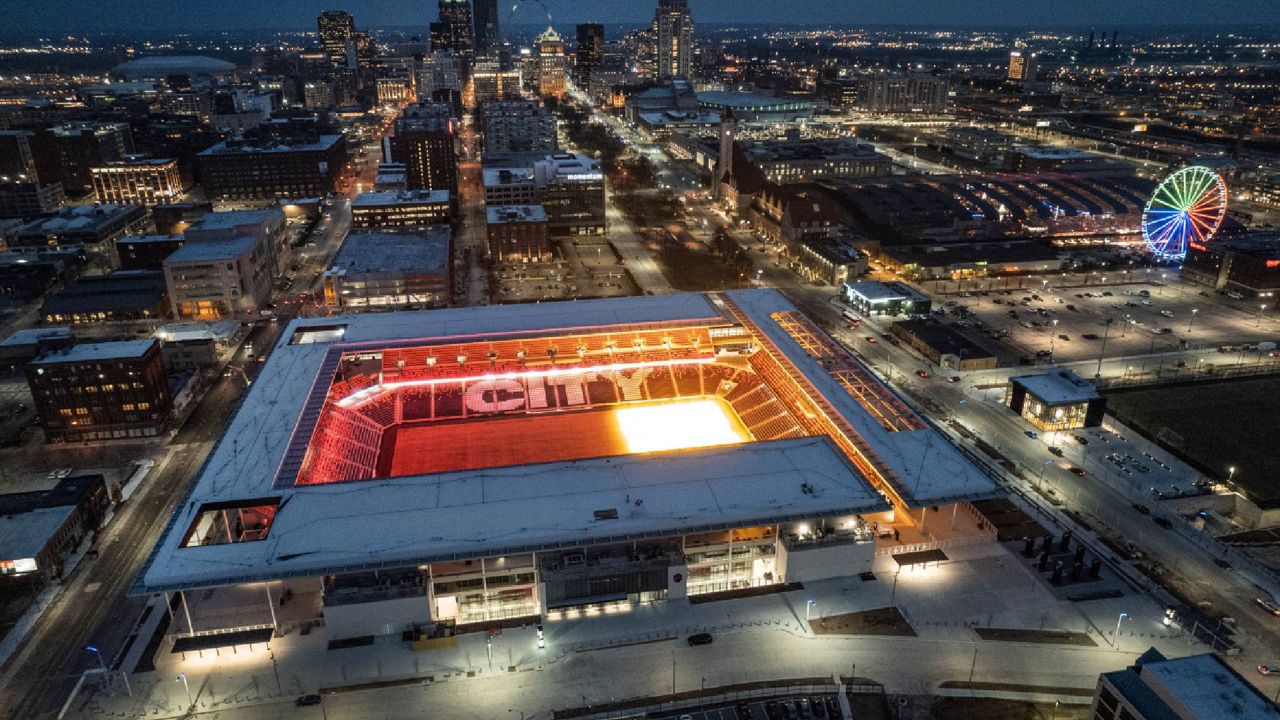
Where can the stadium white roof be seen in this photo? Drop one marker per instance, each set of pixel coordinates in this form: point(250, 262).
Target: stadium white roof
point(930, 468)
point(346, 527)
point(398, 521)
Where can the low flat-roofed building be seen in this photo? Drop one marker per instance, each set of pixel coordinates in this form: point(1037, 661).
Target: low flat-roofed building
point(195, 345)
point(120, 296)
point(138, 181)
point(571, 190)
point(219, 279)
point(89, 226)
point(1056, 400)
point(829, 259)
point(954, 261)
point(39, 529)
point(391, 269)
point(751, 107)
point(404, 208)
point(28, 274)
point(391, 176)
point(661, 124)
point(872, 297)
point(976, 143)
point(517, 233)
point(146, 252)
point(793, 161)
point(944, 346)
point(1248, 265)
point(1051, 158)
point(175, 218)
point(101, 391)
point(1196, 687)
point(510, 186)
point(24, 345)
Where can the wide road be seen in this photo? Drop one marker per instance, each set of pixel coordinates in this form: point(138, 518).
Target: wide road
point(93, 608)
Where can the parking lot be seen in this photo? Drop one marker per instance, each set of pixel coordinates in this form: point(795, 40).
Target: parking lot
point(1070, 324)
point(802, 707)
point(589, 268)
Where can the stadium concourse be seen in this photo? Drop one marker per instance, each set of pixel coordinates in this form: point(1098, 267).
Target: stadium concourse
point(427, 473)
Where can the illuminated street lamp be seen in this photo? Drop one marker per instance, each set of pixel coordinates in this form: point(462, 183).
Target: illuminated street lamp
point(1193, 318)
point(1115, 641)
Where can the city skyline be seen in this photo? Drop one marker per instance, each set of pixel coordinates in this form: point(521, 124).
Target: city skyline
point(79, 16)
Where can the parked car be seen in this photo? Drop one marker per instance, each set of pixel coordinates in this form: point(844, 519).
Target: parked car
point(1031, 434)
point(954, 379)
point(1162, 522)
point(700, 639)
point(306, 700)
point(1142, 509)
point(1055, 451)
point(1082, 440)
point(1268, 670)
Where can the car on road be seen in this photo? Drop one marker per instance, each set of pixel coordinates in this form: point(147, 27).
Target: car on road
point(1162, 522)
point(700, 639)
point(1031, 434)
point(1142, 509)
point(954, 378)
point(922, 373)
point(871, 340)
point(1082, 440)
point(1077, 471)
point(1268, 670)
point(1267, 605)
point(1055, 451)
point(306, 700)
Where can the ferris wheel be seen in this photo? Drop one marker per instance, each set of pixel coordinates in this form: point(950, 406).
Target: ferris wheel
point(1187, 207)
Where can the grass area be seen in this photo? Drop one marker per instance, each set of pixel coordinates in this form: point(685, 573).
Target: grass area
point(1213, 426)
point(881, 621)
point(963, 708)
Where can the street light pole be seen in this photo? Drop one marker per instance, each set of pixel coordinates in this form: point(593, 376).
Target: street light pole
point(186, 686)
point(1115, 641)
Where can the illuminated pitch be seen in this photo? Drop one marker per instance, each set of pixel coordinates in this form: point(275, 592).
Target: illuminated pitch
point(679, 425)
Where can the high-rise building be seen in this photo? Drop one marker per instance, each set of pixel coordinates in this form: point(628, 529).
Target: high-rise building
point(551, 64)
point(673, 38)
point(336, 28)
point(517, 126)
point(590, 52)
point(426, 142)
point(17, 164)
point(902, 93)
point(437, 71)
point(67, 153)
point(1022, 66)
point(491, 82)
point(487, 33)
point(455, 30)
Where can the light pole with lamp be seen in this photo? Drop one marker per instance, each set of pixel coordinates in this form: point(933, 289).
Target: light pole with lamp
point(1231, 477)
point(186, 686)
point(1193, 318)
point(107, 673)
point(1115, 640)
point(1261, 309)
point(808, 606)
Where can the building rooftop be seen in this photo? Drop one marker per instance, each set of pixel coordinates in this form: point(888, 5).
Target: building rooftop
point(31, 336)
point(875, 291)
point(23, 535)
point(94, 352)
point(496, 214)
point(750, 101)
point(1197, 687)
point(373, 252)
point(385, 198)
point(943, 338)
point(929, 470)
point(234, 146)
point(495, 177)
point(80, 218)
point(160, 66)
point(229, 219)
point(208, 250)
point(1058, 386)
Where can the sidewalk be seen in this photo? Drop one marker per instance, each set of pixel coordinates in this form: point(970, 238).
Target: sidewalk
point(983, 585)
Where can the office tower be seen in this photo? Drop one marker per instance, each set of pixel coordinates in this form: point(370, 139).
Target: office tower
point(454, 30)
point(673, 39)
point(1022, 66)
point(68, 153)
point(336, 28)
point(590, 52)
point(426, 142)
point(487, 33)
point(551, 64)
point(517, 126)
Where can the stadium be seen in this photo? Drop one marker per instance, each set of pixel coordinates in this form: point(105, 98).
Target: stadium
point(402, 471)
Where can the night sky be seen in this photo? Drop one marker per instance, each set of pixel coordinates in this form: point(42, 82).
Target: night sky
point(83, 16)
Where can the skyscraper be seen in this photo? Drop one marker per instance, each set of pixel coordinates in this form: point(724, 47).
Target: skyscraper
point(673, 38)
point(488, 36)
point(551, 64)
point(336, 27)
point(455, 27)
point(589, 54)
point(1022, 66)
